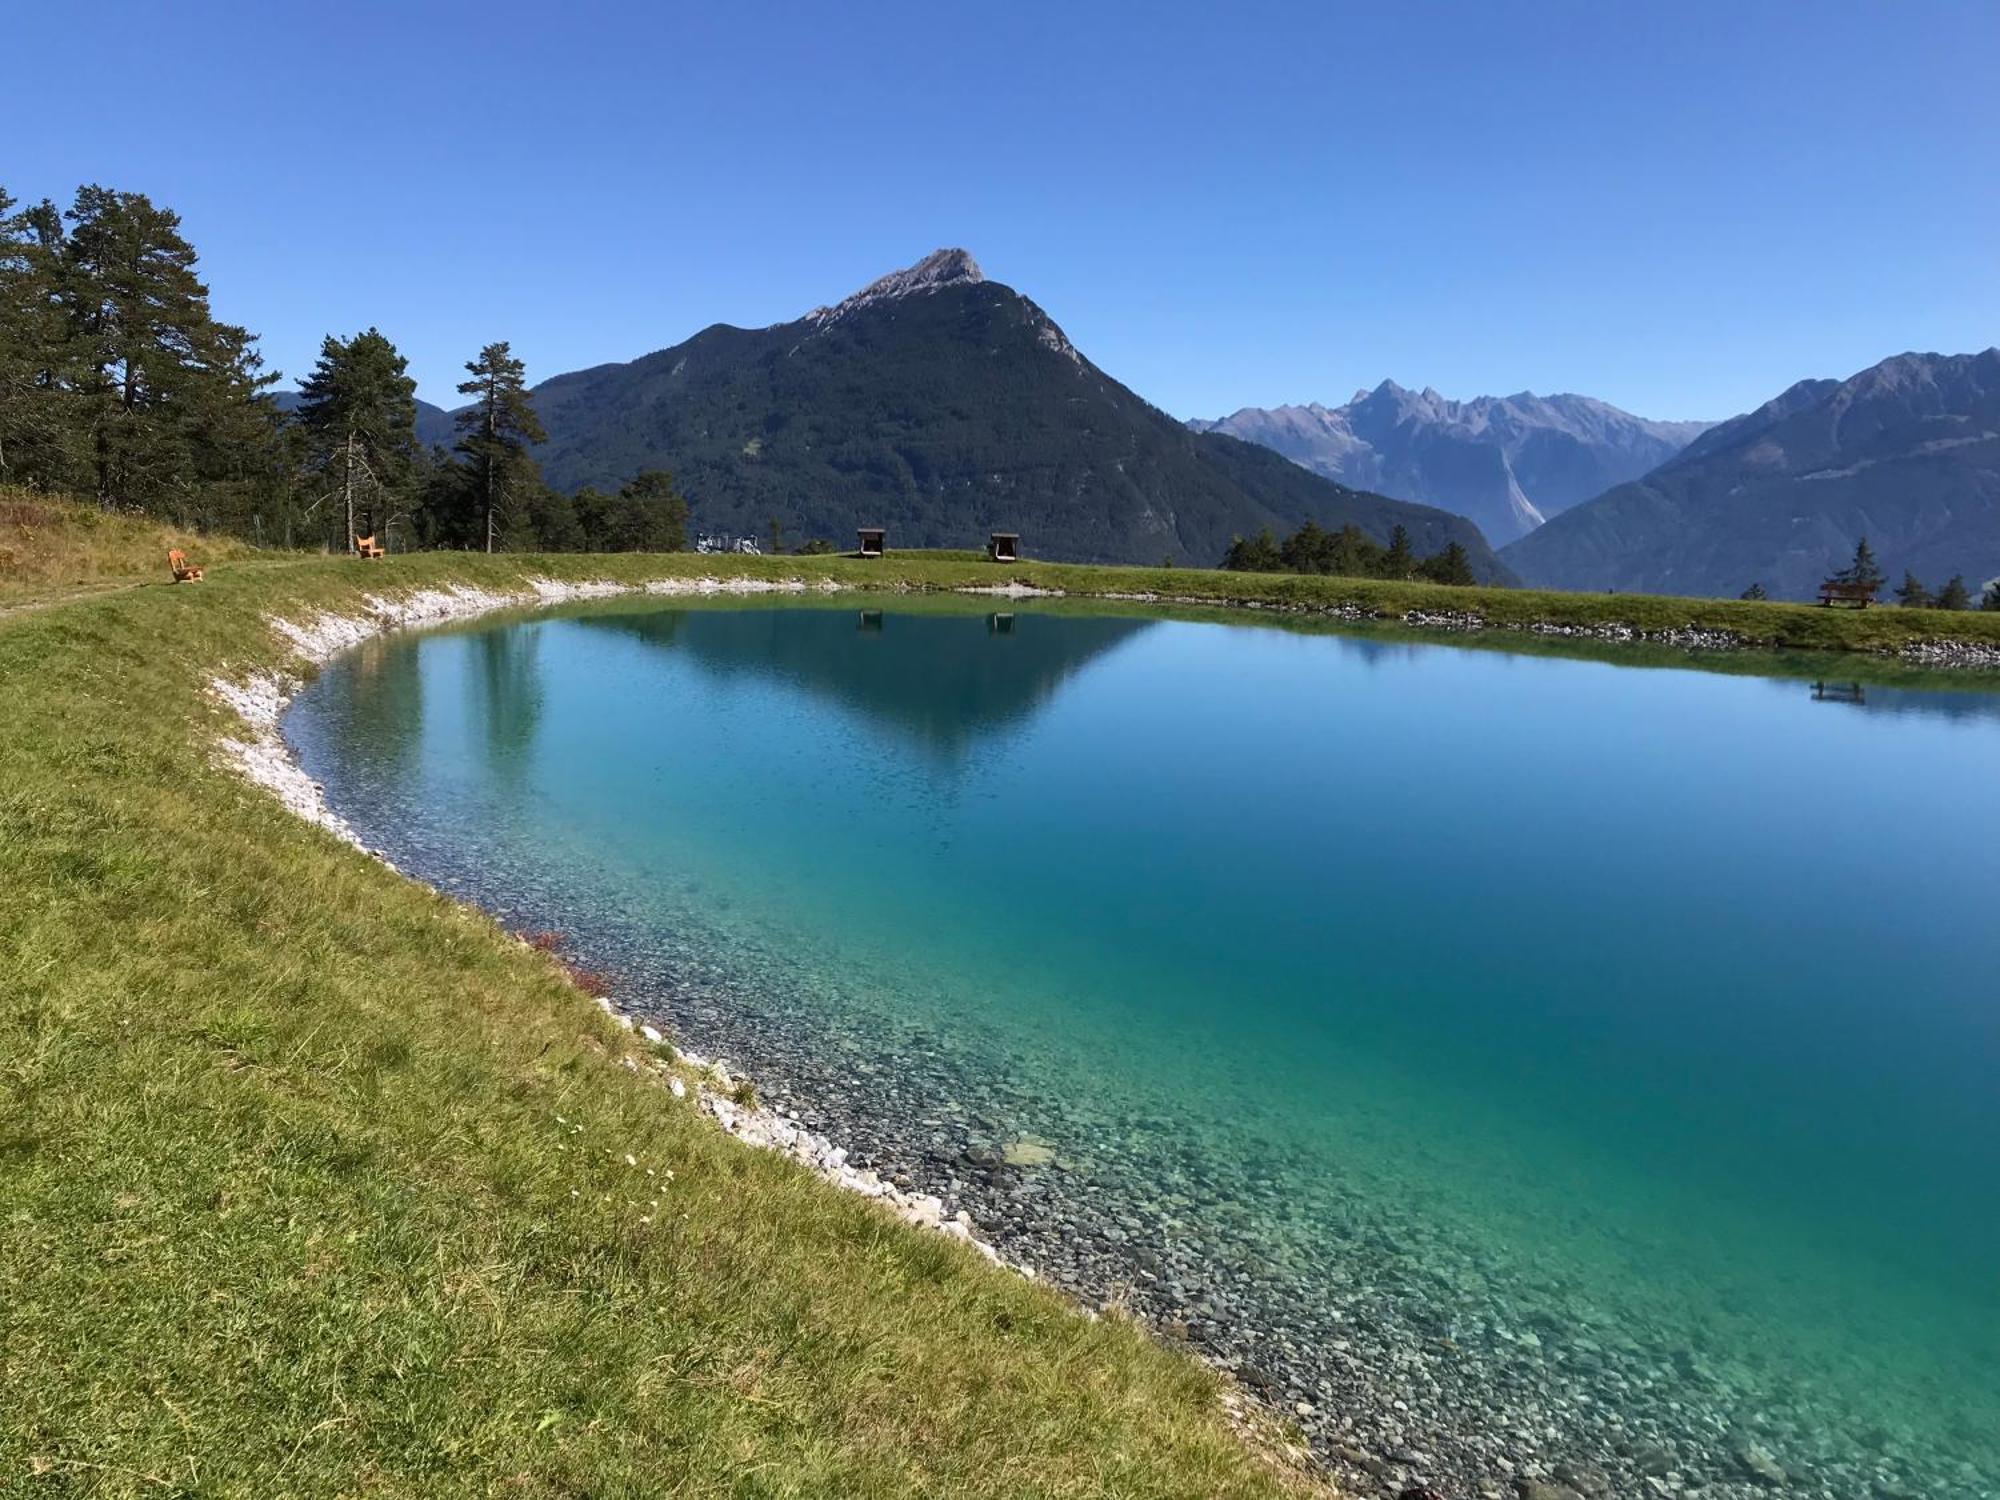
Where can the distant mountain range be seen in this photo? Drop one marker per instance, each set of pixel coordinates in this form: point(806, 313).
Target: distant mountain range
point(1508, 463)
point(942, 406)
point(1907, 453)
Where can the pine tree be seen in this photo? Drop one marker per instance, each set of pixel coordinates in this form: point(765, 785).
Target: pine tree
point(1954, 595)
point(1257, 556)
point(1864, 571)
point(498, 427)
point(1399, 559)
point(358, 412)
point(1348, 553)
point(1449, 566)
point(1307, 550)
point(555, 522)
point(1990, 600)
point(36, 434)
point(654, 516)
point(241, 462)
point(1755, 591)
point(168, 395)
point(1911, 594)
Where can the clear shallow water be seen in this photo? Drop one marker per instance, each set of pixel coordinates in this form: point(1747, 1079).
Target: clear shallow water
point(1603, 1057)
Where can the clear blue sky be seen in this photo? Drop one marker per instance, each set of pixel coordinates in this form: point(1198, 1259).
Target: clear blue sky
point(1681, 208)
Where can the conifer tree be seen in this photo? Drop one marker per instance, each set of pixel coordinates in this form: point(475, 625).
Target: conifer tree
point(1348, 553)
point(1990, 600)
point(1755, 591)
point(500, 478)
point(1911, 594)
point(35, 428)
point(1399, 559)
point(555, 522)
point(358, 411)
point(1307, 550)
point(1257, 556)
point(653, 517)
point(167, 393)
point(1954, 595)
point(1864, 571)
point(1449, 566)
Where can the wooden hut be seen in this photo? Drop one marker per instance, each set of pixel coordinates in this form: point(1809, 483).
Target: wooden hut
point(1004, 546)
point(873, 539)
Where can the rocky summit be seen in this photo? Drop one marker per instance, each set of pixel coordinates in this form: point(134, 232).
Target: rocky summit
point(941, 268)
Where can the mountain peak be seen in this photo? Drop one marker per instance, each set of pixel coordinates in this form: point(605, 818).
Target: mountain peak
point(1906, 451)
point(1505, 462)
point(939, 269)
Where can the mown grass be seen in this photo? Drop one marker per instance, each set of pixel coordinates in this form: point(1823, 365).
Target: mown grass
point(312, 1181)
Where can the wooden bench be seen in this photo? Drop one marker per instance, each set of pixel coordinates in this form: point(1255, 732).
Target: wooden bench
point(367, 546)
point(183, 570)
point(1848, 595)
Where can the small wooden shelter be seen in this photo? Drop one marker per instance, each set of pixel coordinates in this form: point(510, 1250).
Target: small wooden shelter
point(871, 619)
point(1000, 622)
point(1004, 546)
point(873, 539)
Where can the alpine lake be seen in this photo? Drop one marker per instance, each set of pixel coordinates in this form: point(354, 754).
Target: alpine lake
point(1512, 1063)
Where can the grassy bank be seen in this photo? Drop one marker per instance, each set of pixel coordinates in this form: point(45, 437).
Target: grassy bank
point(315, 1182)
point(59, 549)
point(52, 549)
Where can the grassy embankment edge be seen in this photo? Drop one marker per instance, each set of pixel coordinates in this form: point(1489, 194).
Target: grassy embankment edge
point(319, 1181)
point(51, 549)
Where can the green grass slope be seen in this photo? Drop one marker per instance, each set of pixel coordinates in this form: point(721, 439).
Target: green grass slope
point(52, 548)
point(314, 1182)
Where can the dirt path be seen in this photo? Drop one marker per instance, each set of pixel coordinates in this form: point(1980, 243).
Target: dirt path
point(69, 596)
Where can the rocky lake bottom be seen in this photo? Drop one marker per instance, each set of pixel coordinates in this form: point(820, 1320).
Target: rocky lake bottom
point(1406, 1356)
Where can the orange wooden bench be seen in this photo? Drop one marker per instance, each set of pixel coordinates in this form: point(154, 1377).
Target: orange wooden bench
point(367, 546)
point(184, 571)
point(1841, 591)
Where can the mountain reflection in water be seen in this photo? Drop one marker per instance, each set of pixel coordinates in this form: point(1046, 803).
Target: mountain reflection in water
point(945, 681)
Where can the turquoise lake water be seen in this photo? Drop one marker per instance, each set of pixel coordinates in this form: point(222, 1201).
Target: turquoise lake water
point(1620, 1039)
